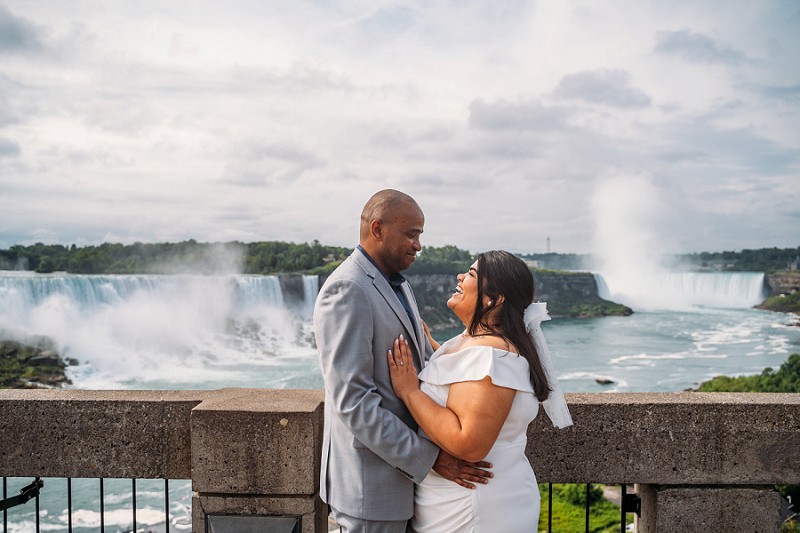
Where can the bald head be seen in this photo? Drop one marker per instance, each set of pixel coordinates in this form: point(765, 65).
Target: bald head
point(391, 223)
point(385, 206)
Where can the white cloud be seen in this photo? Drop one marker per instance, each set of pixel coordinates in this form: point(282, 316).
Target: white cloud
point(258, 120)
point(16, 33)
point(8, 148)
point(609, 87)
point(696, 47)
point(530, 115)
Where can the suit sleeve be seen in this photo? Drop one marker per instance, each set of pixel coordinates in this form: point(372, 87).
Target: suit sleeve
point(344, 326)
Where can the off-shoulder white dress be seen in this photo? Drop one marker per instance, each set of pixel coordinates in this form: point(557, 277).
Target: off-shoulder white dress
point(510, 501)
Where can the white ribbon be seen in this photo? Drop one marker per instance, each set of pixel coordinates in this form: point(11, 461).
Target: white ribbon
point(555, 405)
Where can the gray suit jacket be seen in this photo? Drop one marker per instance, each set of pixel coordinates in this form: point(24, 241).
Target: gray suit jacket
point(371, 453)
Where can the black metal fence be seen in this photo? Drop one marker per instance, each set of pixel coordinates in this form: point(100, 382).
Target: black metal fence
point(15, 500)
point(629, 504)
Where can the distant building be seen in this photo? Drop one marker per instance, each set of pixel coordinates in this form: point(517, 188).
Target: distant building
point(533, 263)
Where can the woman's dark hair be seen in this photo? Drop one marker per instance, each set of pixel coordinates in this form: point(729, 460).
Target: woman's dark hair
point(501, 273)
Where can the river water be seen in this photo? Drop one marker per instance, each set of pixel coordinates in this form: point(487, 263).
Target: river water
point(193, 332)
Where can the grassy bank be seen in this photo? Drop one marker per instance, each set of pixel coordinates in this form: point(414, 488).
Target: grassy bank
point(784, 303)
point(569, 509)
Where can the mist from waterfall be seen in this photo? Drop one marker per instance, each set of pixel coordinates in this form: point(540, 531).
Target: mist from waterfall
point(143, 330)
point(629, 241)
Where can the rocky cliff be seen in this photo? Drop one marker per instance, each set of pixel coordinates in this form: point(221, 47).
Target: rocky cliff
point(33, 364)
point(784, 291)
point(783, 282)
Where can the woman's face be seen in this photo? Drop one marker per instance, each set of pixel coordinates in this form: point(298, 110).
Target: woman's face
point(463, 300)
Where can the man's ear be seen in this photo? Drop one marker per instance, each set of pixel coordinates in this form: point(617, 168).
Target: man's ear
point(376, 229)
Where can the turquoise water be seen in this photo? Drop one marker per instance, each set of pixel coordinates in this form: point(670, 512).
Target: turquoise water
point(662, 351)
point(659, 351)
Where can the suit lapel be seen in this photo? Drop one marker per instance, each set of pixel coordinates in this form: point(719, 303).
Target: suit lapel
point(391, 298)
point(385, 290)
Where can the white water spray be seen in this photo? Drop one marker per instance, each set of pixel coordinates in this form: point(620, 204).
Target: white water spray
point(152, 330)
point(629, 243)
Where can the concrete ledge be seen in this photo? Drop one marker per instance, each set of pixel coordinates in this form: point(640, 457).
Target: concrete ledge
point(701, 509)
point(75, 433)
point(267, 441)
point(703, 462)
point(257, 441)
point(672, 438)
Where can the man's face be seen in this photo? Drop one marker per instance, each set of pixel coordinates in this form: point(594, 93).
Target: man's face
point(400, 242)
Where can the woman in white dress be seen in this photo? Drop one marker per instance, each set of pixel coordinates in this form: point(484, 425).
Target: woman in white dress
point(478, 393)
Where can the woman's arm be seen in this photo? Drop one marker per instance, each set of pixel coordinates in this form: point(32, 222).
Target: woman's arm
point(470, 423)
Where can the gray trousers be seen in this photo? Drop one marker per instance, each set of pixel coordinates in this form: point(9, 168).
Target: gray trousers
point(350, 524)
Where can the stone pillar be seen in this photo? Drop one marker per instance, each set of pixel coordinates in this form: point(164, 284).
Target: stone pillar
point(256, 453)
point(697, 508)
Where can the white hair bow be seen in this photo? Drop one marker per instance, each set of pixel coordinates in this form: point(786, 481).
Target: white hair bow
point(555, 405)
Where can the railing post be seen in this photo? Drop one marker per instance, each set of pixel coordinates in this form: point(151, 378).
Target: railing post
point(734, 509)
point(255, 456)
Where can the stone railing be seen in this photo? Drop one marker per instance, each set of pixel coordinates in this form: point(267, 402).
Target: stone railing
point(701, 462)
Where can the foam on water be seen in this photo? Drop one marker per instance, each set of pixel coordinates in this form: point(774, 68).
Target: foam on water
point(588, 381)
point(117, 517)
point(646, 359)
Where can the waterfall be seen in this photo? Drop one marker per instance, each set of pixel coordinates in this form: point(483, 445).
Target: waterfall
point(680, 290)
point(258, 290)
point(25, 291)
point(142, 328)
point(310, 290)
point(602, 287)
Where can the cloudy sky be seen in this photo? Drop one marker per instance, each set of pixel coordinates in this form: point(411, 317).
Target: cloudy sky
point(509, 121)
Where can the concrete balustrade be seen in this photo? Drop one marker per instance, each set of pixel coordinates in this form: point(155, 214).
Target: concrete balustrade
point(701, 461)
point(256, 452)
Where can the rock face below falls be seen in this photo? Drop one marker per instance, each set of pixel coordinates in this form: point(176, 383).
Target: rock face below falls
point(783, 282)
point(784, 291)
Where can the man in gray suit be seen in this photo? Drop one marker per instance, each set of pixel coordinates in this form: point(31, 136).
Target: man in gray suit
point(371, 453)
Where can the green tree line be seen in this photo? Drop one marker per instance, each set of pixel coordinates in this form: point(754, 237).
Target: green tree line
point(761, 260)
point(275, 256)
point(167, 258)
point(190, 256)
